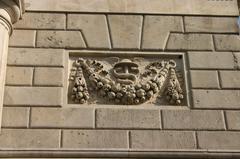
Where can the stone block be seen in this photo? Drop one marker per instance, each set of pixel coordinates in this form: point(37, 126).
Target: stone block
point(94, 28)
point(60, 39)
point(211, 60)
point(27, 138)
point(42, 21)
point(230, 79)
point(15, 117)
point(211, 24)
point(233, 120)
point(19, 76)
point(128, 118)
point(216, 140)
point(23, 38)
point(152, 139)
point(216, 99)
point(95, 139)
point(183, 42)
point(62, 117)
point(196, 7)
point(193, 119)
point(227, 42)
point(33, 96)
point(125, 31)
point(46, 76)
point(157, 29)
point(204, 79)
point(36, 57)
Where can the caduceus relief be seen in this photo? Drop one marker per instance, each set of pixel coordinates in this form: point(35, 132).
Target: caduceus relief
point(126, 82)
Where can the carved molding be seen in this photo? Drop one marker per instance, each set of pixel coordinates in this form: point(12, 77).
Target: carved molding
point(11, 11)
point(125, 81)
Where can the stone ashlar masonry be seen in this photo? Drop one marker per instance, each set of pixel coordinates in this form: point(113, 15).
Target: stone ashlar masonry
point(34, 114)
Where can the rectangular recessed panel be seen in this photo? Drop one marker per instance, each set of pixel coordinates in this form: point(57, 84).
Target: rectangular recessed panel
point(126, 78)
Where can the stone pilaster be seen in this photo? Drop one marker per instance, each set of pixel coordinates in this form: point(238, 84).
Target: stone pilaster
point(10, 13)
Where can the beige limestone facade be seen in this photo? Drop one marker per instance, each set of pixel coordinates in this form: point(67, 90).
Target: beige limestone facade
point(119, 79)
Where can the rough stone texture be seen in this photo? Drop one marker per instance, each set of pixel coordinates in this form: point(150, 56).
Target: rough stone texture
point(19, 76)
point(178, 41)
point(204, 79)
point(214, 99)
point(23, 38)
point(162, 140)
point(196, 7)
point(214, 60)
point(15, 117)
point(36, 57)
point(95, 139)
point(237, 60)
point(211, 24)
point(195, 119)
point(33, 96)
point(233, 120)
point(26, 138)
point(60, 39)
point(127, 118)
point(48, 76)
point(42, 21)
point(62, 117)
point(157, 29)
point(227, 42)
point(218, 140)
point(91, 25)
point(125, 31)
point(230, 79)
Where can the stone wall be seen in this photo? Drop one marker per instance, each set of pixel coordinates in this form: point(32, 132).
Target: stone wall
point(37, 119)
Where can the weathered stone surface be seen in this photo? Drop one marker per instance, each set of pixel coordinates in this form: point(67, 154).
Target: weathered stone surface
point(227, 99)
point(15, 117)
point(162, 140)
point(98, 139)
point(60, 39)
point(211, 24)
point(195, 119)
point(237, 60)
point(219, 140)
point(204, 79)
point(62, 117)
point(227, 42)
point(19, 76)
point(36, 57)
point(42, 21)
point(23, 38)
point(48, 76)
point(94, 28)
point(178, 41)
point(26, 138)
point(211, 60)
point(125, 31)
point(157, 28)
point(127, 118)
point(199, 7)
point(233, 120)
point(33, 96)
point(230, 79)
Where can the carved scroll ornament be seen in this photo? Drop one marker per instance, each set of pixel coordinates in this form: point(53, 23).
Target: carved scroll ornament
point(124, 83)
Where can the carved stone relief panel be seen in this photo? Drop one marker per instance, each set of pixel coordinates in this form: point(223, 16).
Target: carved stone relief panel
point(121, 78)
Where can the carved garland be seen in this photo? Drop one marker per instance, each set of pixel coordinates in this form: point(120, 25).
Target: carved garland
point(126, 90)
